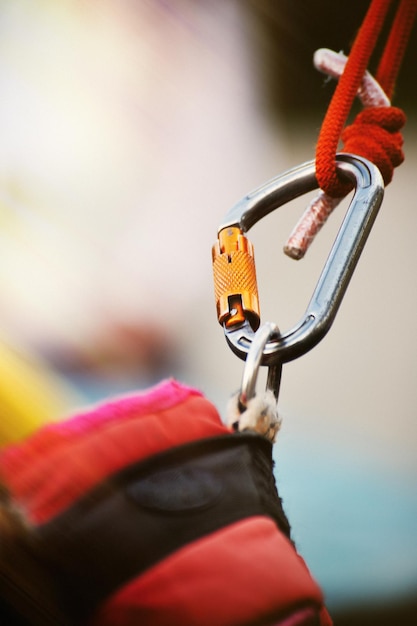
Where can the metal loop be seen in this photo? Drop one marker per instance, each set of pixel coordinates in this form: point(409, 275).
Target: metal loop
point(253, 362)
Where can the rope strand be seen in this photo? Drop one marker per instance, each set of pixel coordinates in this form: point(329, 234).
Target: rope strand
point(374, 133)
point(343, 97)
point(396, 45)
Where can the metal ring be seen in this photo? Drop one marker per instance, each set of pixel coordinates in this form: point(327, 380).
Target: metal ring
point(253, 362)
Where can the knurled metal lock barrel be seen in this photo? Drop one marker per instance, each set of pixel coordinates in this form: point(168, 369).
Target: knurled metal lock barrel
point(235, 286)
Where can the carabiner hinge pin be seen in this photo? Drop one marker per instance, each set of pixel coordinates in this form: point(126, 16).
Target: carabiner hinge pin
point(235, 285)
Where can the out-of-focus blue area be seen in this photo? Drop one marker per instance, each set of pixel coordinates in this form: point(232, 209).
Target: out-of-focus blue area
point(353, 522)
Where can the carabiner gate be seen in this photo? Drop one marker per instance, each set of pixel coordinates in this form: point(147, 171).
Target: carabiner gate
point(234, 265)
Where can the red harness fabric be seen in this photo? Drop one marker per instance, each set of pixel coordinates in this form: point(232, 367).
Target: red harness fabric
point(63, 461)
point(245, 572)
point(242, 570)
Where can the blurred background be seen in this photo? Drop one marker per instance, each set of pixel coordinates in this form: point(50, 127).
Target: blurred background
point(127, 131)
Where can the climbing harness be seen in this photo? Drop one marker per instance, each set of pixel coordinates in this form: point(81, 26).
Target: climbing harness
point(373, 147)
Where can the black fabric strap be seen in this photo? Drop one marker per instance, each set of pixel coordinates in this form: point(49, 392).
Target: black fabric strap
point(149, 510)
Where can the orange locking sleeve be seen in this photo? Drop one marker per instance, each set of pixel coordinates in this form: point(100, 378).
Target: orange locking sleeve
point(235, 285)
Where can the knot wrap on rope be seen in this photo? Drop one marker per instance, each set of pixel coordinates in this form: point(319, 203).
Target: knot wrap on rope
point(363, 47)
point(375, 135)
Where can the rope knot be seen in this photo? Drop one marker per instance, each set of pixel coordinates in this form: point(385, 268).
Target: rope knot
point(375, 135)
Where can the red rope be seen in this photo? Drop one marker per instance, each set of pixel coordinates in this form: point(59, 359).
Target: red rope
point(375, 135)
point(375, 132)
point(393, 54)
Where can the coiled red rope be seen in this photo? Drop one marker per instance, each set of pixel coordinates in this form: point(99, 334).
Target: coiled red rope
point(374, 133)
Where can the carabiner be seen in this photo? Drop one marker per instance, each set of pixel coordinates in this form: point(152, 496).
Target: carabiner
point(234, 265)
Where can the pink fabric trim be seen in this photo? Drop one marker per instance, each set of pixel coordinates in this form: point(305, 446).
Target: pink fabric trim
point(62, 462)
point(158, 398)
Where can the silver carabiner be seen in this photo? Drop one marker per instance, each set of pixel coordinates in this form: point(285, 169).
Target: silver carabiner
point(234, 268)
